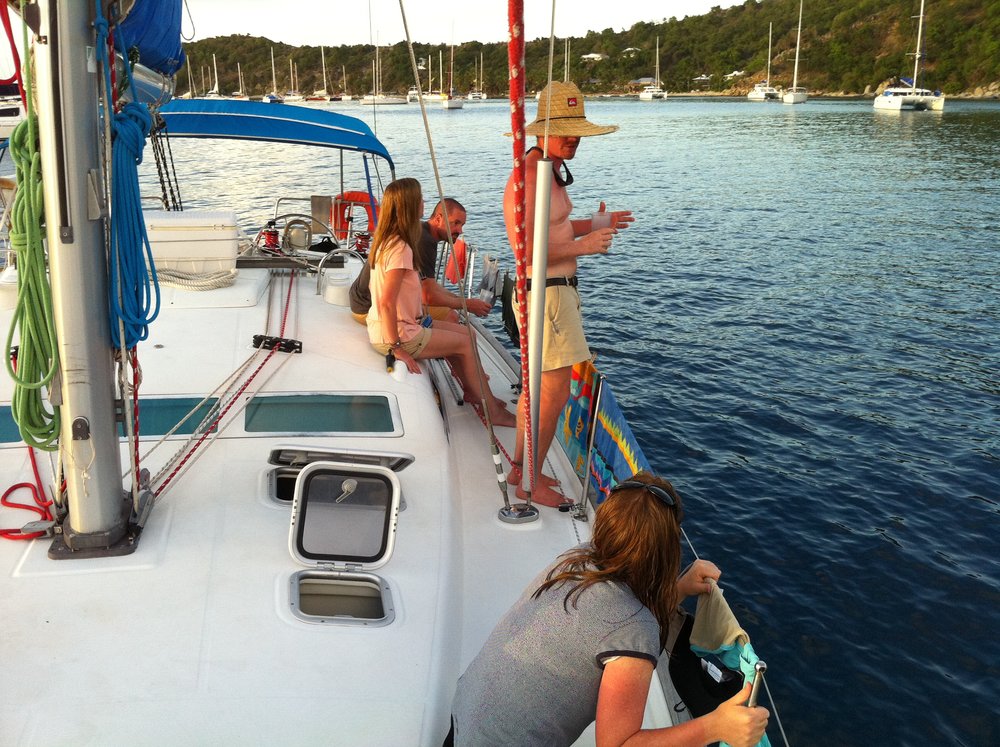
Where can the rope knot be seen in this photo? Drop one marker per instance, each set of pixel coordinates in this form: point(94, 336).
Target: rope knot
point(132, 125)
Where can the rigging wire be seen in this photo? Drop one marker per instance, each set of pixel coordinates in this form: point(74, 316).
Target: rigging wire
point(483, 385)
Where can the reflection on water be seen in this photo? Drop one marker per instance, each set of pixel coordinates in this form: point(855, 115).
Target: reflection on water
point(802, 326)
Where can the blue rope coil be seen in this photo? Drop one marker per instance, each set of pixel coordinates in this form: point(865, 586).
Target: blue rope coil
point(133, 290)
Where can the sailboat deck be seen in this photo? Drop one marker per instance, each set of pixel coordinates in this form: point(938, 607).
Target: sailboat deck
point(191, 639)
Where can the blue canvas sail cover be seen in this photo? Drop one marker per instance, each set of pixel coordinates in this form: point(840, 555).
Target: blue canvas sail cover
point(281, 123)
point(154, 28)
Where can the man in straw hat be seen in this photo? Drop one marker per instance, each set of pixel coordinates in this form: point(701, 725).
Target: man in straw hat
point(564, 344)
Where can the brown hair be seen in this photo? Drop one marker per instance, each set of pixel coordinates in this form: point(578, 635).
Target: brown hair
point(636, 541)
point(399, 216)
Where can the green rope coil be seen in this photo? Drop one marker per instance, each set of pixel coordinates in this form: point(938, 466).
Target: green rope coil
point(38, 355)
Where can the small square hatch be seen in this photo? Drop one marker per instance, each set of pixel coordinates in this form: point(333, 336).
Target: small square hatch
point(343, 523)
point(344, 516)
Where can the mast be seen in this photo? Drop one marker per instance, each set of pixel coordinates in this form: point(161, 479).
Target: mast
point(291, 76)
point(239, 78)
point(451, 73)
point(798, 40)
point(441, 69)
point(566, 61)
point(274, 77)
point(343, 70)
point(75, 211)
point(191, 92)
point(657, 62)
point(322, 54)
point(920, 35)
point(769, 27)
point(215, 69)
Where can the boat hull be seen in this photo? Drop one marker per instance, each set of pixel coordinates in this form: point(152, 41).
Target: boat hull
point(919, 99)
point(762, 92)
point(795, 96)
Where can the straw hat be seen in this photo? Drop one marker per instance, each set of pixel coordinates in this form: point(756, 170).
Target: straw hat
point(566, 118)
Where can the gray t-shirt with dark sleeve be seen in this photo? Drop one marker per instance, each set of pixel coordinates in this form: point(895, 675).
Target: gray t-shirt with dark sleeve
point(536, 680)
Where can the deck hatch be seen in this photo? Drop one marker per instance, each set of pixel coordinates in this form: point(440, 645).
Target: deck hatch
point(288, 461)
point(344, 525)
point(321, 413)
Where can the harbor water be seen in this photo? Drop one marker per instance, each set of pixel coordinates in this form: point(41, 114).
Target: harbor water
point(803, 328)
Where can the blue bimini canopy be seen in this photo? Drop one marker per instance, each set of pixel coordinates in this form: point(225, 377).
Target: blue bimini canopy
point(276, 123)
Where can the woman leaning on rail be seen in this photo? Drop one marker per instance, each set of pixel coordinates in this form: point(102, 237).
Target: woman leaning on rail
point(582, 641)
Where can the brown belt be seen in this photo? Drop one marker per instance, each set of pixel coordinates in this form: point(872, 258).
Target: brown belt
point(571, 281)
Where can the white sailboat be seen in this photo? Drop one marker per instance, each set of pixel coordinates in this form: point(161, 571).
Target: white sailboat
point(909, 95)
point(377, 97)
point(213, 92)
point(763, 91)
point(796, 94)
point(451, 101)
point(344, 95)
point(293, 94)
point(241, 93)
point(322, 94)
point(273, 97)
point(654, 92)
point(477, 93)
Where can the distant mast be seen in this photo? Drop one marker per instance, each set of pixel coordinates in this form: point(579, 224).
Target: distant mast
point(920, 35)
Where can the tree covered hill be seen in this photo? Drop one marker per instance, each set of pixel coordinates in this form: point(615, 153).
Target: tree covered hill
point(848, 46)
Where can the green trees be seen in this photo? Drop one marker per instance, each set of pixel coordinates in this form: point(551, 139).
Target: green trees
point(847, 45)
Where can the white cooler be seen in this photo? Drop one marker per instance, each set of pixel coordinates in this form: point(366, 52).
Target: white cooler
point(193, 241)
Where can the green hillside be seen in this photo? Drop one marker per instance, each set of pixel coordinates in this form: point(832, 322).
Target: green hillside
point(848, 46)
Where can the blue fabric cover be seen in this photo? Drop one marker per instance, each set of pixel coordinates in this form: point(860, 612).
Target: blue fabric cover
point(283, 123)
point(154, 27)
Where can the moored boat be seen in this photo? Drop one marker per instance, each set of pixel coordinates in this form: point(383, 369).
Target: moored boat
point(764, 91)
point(796, 94)
point(909, 95)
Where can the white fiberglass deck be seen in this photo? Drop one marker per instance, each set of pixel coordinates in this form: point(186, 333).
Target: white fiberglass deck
point(190, 639)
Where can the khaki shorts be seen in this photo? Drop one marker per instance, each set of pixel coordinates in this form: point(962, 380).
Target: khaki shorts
point(414, 347)
point(435, 312)
point(563, 341)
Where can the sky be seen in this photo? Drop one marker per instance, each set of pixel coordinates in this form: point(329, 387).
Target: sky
point(337, 22)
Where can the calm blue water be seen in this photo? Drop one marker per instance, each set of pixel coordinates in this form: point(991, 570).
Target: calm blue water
point(803, 327)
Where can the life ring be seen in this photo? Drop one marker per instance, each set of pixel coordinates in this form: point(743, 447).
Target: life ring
point(342, 207)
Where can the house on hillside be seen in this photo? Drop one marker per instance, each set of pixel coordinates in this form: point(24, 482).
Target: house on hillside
point(630, 52)
point(634, 86)
point(593, 57)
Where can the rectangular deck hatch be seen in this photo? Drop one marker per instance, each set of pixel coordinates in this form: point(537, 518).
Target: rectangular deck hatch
point(344, 526)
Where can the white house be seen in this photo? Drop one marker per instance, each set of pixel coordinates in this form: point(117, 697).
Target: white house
point(593, 57)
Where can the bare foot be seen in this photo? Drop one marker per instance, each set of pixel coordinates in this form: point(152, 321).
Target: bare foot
point(499, 417)
point(514, 477)
point(543, 495)
point(503, 418)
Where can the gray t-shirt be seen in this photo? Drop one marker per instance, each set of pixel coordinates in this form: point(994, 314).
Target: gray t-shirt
point(536, 680)
point(425, 257)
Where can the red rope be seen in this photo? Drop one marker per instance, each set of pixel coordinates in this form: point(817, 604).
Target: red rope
point(515, 60)
point(40, 507)
point(133, 358)
point(235, 398)
point(5, 19)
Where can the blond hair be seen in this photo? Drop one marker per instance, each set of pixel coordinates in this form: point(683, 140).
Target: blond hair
point(636, 541)
point(399, 216)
